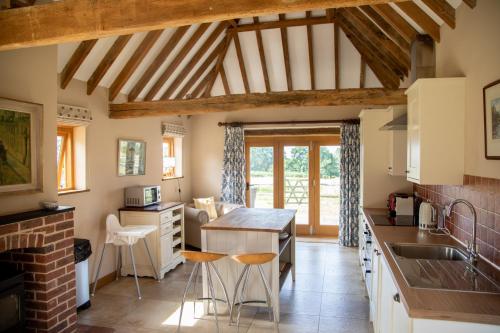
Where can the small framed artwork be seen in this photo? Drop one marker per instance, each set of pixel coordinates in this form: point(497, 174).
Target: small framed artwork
point(491, 96)
point(20, 147)
point(131, 157)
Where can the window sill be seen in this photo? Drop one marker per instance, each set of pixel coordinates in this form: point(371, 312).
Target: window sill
point(67, 192)
point(172, 178)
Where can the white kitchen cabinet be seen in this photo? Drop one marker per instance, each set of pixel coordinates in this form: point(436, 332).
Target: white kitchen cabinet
point(374, 299)
point(435, 132)
point(397, 144)
point(165, 243)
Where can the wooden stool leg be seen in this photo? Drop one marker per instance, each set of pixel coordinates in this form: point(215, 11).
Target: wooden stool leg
point(268, 295)
point(236, 293)
point(195, 268)
point(211, 286)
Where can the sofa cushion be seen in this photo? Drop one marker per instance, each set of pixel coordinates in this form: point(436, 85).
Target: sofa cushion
point(208, 205)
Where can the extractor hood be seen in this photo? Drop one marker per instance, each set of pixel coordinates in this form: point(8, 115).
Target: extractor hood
point(397, 124)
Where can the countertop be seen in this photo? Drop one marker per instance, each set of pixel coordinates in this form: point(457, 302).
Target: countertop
point(152, 208)
point(432, 303)
point(33, 214)
point(253, 219)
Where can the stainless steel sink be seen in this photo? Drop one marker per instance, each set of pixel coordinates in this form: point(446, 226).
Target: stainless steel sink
point(434, 252)
point(440, 267)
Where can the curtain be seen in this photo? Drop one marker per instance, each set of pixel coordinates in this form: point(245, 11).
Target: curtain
point(233, 173)
point(349, 184)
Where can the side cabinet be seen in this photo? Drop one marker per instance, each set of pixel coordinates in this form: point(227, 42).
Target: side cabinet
point(165, 243)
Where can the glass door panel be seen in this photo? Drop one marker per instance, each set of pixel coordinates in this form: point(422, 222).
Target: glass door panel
point(261, 186)
point(329, 185)
point(296, 181)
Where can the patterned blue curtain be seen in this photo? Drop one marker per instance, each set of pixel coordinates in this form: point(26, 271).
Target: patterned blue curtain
point(233, 173)
point(349, 184)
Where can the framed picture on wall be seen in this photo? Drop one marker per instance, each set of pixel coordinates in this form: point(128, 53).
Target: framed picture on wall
point(491, 96)
point(131, 157)
point(20, 146)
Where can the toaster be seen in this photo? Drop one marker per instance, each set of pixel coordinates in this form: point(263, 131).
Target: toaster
point(400, 204)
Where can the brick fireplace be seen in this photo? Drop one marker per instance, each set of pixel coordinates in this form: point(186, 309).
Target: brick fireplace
point(40, 243)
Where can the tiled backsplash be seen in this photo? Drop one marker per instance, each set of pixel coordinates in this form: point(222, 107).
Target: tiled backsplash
point(484, 194)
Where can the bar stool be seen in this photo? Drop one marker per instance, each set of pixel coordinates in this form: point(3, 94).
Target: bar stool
point(250, 260)
point(120, 236)
point(206, 258)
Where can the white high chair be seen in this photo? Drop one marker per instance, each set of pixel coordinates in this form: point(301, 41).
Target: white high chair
point(120, 236)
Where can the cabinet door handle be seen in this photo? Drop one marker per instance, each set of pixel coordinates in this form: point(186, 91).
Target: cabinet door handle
point(376, 252)
point(396, 298)
point(407, 171)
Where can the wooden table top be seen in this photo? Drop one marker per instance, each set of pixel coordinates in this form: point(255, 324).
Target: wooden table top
point(253, 219)
point(434, 303)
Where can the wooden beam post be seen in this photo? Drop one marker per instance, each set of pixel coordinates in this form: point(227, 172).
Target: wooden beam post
point(241, 62)
point(286, 54)
point(336, 52)
point(310, 47)
point(262, 56)
point(362, 73)
point(76, 60)
point(286, 99)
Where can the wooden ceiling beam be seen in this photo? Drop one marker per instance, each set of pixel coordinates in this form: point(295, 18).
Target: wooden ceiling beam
point(362, 73)
point(195, 59)
point(76, 60)
point(336, 53)
point(157, 62)
point(54, 22)
point(107, 62)
point(283, 23)
point(420, 18)
point(387, 28)
point(286, 54)
point(202, 87)
point(443, 9)
point(310, 47)
point(223, 78)
point(470, 3)
point(241, 62)
point(202, 69)
point(285, 99)
point(262, 56)
point(397, 21)
point(220, 63)
point(134, 61)
point(160, 82)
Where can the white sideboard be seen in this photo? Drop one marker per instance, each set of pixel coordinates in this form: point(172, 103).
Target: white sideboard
point(165, 243)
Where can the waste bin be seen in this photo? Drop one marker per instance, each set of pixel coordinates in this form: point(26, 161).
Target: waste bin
point(82, 254)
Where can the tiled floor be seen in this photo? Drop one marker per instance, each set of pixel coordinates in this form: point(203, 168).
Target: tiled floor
point(327, 296)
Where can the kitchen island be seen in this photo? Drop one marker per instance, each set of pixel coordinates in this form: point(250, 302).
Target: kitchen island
point(252, 230)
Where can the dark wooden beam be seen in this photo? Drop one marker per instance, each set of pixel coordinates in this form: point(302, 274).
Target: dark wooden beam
point(397, 21)
point(286, 54)
point(387, 28)
point(362, 73)
point(223, 78)
point(202, 86)
point(286, 99)
point(134, 61)
point(55, 22)
point(336, 53)
point(107, 62)
point(241, 62)
point(176, 61)
point(262, 56)
point(443, 9)
point(470, 3)
point(76, 60)
point(157, 62)
point(283, 23)
point(420, 18)
point(310, 47)
point(195, 59)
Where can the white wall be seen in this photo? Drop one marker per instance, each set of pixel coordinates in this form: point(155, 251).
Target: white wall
point(30, 75)
point(472, 49)
point(106, 187)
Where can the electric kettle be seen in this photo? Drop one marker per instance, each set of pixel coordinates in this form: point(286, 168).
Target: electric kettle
point(427, 219)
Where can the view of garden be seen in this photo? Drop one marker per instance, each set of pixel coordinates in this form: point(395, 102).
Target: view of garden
point(296, 163)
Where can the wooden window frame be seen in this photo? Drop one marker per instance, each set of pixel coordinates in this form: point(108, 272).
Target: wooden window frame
point(171, 142)
point(67, 155)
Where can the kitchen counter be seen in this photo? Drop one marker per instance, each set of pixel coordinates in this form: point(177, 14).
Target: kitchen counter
point(434, 303)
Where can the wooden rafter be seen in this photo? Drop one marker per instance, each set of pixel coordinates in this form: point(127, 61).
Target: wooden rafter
point(176, 61)
point(371, 55)
point(54, 22)
point(310, 47)
point(397, 21)
point(286, 54)
point(443, 9)
point(134, 61)
point(107, 62)
point(470, 3)
point(420, 18)
point(195, 59)
point(157, 62)
point(262, 56)
point(360, 97)
point(76, 60)
point(203, 86)
point(336, 54)
point(387, 28)
point(199, 72)
point(219, 64)
point(362, 73)
point(399, 61)
point(241, 62)
point(286, 23)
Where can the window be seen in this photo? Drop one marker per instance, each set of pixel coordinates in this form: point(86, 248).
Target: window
point(172, 157)
point(65, 160)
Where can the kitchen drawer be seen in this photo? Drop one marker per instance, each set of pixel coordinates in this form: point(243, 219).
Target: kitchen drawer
point(166, 228)
point(166, 217)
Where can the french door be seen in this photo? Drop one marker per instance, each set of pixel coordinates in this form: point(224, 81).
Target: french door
point(299, 173)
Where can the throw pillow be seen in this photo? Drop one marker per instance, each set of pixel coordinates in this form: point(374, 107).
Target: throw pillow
point(208, 205)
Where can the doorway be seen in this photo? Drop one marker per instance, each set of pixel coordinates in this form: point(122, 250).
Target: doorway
point(296, 172)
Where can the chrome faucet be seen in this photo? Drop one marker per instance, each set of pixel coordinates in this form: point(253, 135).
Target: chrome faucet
point(471, 246)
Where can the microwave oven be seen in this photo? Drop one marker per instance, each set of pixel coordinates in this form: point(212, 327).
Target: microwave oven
point(141, 196)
